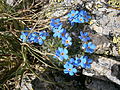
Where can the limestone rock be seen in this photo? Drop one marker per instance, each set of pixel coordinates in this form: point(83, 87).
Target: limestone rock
point(103, 68)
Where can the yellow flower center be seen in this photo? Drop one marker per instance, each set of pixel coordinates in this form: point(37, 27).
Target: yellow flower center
point(88, 47)
point(55, 23)
point(39, 37)
point(84, 36)
point(63, 34)
point(73, 14)
point(69, 69)
point(67, 41)
point(62, 53)
point(86, 63)
point(81, 19)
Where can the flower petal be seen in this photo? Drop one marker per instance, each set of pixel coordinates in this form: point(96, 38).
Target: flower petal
point(71, 73)
point(85, 45)
point(88, 66)
point(66, 65)
point(89, 60)
point(66, 71)
point(74, 70)
point(65, 56)
point(93, 46)
point(83, 65)
point(65, 51)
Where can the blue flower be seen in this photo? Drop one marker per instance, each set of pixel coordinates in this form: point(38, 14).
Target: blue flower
point(87, 18)
point(40, 41)
point(61, 53)
point(63, 33)
point(71, 61)
point(72, 14)
point(43, 34)
point(58, 31)
point(84, 36)
point(83, 13)
point(88, 63)
point(79, 19)
point(55, 23)
point(69, 69)
point(33, 37)
point(89, 47)
point(23, 36)
point(36, 37)
point(66, 40)
point(40, 37)
point(77, 62)
point(85, 62)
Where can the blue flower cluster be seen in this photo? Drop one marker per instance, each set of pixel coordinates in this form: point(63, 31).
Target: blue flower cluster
point(78, 17)
point(35, 37)
point(60, 32)
point(62, 53)
point(72, 65)
point(88, 46)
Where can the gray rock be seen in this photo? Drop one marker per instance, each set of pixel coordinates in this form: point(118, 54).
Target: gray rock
point(109, 22)
point(103, 68)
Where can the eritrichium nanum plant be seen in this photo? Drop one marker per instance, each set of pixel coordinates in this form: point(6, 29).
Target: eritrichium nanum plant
point(71, 64)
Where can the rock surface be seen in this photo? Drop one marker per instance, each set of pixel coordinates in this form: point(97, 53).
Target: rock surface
point(103, 68)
